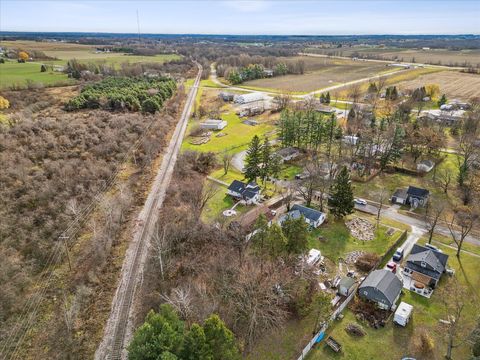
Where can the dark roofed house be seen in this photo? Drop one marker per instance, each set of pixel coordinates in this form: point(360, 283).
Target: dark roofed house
point(382, 287)
point(412, 196)
point(249, 193)
point(312, 217)
point(288, 153)
point(425, 265)
point(417, 196)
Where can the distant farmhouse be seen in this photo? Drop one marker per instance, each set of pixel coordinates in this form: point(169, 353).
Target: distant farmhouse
point(213, 124)
point(312, 217)
point(412, 196)
point(425, 265)
point(444, 116)
point(249, 193)
point(381, 287)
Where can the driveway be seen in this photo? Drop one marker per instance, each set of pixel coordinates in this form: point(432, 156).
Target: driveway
point(238, 160)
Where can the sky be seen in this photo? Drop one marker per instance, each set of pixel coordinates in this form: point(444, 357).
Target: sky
point(247, 17)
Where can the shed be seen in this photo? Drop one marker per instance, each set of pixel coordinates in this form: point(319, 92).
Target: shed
point(313, 257)
point(213, 124)
point(248, 98)
point(381, 287)
point(400, 196)
point(345, 287)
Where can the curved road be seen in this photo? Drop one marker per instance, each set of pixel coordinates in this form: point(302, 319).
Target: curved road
point(118, 329)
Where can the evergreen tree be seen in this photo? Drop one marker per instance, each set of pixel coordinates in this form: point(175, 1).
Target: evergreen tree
point(266, 159)
point(253, 160)
point(341, 202)
point(296, 233)
point(260, 239)
point(195, 346)
point(161, 332)
point(372, 88)
point(220, 339)
point(322, 98)
point(327, 98)
point(443, 100)
point(276, 241)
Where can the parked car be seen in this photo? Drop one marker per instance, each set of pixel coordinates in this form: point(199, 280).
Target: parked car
point(360, 201)
point(433, 247)
point(398, 255)
point(392, 266)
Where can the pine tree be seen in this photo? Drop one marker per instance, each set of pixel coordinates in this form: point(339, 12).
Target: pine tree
point(296, 233)
point(276, 241)
point(195, 345)
point(220, 339)
point(327, 98)
point(322, 98)
point(266, 160)
point(443, 100)
point(260, 239)
point(341, 202)
point(253, 160)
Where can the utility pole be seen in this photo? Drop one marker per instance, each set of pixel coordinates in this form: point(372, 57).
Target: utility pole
point(64, 238)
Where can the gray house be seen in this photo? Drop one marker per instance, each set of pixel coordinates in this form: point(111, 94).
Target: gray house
point(382, 287)
point(425, 265)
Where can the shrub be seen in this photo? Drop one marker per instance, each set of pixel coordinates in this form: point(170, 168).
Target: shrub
point(150, 106)
point(4, 103)
point(367, 261)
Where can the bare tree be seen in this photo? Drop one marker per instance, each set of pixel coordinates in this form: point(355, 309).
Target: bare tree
point(307, 186)
point(281, 102)
point(463, 218)
point(226, 161)
point(381, 197)
point(454, 299)
point(445, 179)
point(181, 299)
point(433, 212)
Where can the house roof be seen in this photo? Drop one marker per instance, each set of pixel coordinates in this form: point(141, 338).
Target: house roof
point(435, 261)
point(308, 213)
point(428, 163)
point(288, 151)
point(237, 186)
point(417, 192)
point(346, 282)
point(400, 193)
point(385, 282)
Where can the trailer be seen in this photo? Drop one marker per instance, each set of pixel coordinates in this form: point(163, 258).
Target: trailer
point(403, 314)
point(333, 344)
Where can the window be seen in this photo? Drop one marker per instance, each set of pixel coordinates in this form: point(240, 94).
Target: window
point(424, 264)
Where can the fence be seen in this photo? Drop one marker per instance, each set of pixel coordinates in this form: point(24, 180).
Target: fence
point(321, 334)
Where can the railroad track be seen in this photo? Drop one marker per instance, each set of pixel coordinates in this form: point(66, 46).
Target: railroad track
point(116, 332)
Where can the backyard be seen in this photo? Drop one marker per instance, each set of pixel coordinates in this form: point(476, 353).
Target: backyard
point(426, 316)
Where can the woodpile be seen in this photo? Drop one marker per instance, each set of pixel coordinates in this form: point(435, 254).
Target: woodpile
point(355, 330)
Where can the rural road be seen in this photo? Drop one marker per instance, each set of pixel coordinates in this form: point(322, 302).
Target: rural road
point(119, 327)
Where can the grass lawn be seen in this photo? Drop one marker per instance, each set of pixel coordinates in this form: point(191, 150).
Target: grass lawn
point(338, 241)
point(397, 341)
point(14, 73)
point(238, 135)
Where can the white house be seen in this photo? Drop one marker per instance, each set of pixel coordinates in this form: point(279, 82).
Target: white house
point(248, 193)
point(213, 124)
point(350, 139)
point(312, 217)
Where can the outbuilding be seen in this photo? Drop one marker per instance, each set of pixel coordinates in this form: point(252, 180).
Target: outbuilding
point(346, 286)
point(381, 287)
point(213, 124)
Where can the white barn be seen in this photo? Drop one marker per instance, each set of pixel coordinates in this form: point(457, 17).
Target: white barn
point(248, 98)
point(213, 124)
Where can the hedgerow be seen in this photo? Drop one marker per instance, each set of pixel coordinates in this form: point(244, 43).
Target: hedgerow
point(124, 93)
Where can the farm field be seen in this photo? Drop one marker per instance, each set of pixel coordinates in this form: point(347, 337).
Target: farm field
point(321, 73)
point(398, 340)
point(452, 83)
point(12, 73)
point(432, 56)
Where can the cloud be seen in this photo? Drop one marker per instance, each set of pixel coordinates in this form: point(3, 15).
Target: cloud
point(247, 6)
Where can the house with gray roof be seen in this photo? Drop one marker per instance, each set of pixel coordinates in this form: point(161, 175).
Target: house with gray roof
point(381, 287)
point(412, 196)
point(312, 217)
point(425, 265)
point(248, 193)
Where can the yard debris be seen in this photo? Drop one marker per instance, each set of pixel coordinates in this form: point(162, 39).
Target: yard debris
point(199, 140)
point(367, 261)
point(352, 257)
point(361, 229)
point(221, 134)
point(369, 313)
point(355, 330)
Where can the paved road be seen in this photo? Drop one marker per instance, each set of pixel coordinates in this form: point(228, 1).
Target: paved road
point(119, 327)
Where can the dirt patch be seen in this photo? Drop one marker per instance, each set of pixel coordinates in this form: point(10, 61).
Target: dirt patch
point(368, 312)
point(361, 229)
point(452, 83)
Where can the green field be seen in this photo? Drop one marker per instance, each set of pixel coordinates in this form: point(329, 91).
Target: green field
point(238, 135)
point(398, 340)
point(13, 73)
